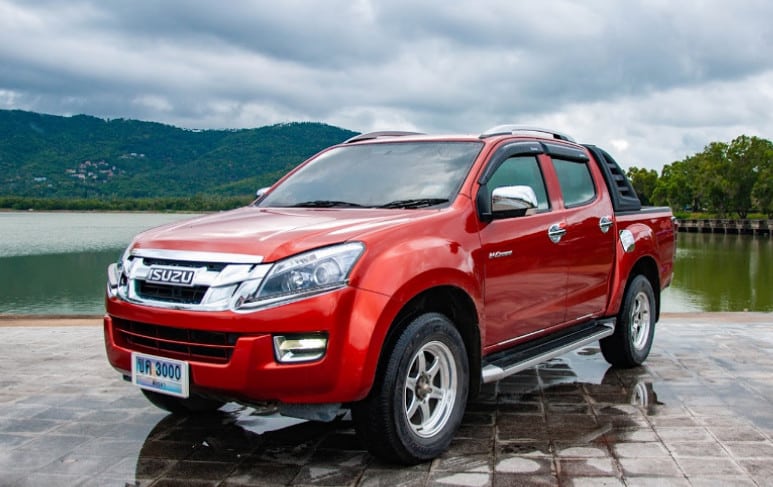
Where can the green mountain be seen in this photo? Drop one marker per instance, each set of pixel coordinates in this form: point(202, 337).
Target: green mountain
point(86, 157)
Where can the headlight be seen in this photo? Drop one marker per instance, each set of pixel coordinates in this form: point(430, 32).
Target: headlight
point(302, 275)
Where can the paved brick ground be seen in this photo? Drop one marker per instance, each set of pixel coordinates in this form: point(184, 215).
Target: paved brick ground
point(700, 413)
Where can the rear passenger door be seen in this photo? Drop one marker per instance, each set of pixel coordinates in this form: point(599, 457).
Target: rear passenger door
point(588, 244)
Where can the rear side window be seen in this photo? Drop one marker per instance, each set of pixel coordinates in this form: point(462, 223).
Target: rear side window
point(576, 182)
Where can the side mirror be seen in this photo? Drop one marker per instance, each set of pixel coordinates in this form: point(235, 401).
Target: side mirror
point(508, 201)
point(261, 192)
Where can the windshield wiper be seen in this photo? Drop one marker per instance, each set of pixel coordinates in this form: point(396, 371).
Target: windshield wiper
point(415, 203)
point(326, 204)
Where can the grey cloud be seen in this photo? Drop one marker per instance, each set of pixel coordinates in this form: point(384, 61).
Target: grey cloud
point(433, 65)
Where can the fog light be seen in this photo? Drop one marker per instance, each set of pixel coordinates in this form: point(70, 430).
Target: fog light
point(299, 348)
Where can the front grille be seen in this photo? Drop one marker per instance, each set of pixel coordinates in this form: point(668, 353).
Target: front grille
point(203, 285)
point(178, 343)
point(171, 294)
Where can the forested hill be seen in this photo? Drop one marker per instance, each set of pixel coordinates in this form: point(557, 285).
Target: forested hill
point(88, 157)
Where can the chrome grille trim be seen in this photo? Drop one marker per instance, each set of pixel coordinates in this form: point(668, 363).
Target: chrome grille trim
point(215, 281)
point(197, 256)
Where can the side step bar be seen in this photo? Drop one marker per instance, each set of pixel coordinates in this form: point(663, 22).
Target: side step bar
point(501, 364)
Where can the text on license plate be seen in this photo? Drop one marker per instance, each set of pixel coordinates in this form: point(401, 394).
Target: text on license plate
point(164, 375)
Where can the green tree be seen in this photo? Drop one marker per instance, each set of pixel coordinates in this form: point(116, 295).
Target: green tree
point(724, 178)
point(677, 185)
point(748, 157)
point(644, 182)
point(714, 171)
point(762, 193)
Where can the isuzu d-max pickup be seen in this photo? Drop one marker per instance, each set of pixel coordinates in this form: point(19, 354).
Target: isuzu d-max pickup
point(392, 275)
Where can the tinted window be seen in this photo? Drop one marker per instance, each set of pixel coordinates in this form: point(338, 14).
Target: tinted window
point(576, 182)
point(521, 171)
point(379, 174)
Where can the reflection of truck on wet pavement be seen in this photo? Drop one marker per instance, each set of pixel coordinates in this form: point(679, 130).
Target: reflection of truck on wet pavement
point(392, 275)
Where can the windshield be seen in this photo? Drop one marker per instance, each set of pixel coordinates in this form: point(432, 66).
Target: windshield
point(388, 175)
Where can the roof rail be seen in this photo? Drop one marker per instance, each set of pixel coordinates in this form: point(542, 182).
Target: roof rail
point(376, 135)
point(512, 129)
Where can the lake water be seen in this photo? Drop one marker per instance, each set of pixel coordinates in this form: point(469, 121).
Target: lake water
point(55, 263)
point(718, 272)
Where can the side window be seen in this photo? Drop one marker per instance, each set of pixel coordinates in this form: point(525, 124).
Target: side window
point(576, 182)
point(521, 171)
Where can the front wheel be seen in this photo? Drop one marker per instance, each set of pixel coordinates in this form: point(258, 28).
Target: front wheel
point(418, 399)
point(630, 345)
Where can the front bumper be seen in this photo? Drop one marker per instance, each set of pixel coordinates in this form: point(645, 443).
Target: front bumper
point(231, 355)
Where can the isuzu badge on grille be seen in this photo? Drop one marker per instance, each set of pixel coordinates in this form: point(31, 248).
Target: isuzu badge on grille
point(171, 275)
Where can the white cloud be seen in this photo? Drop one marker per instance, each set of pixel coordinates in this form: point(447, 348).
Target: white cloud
point(666, 126)
point(8, 99)
point(620, 145)
point(152, 102)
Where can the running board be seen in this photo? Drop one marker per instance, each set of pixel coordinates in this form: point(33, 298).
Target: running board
point(502, 364)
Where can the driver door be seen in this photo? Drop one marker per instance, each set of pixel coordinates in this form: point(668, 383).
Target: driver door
point(525, 274)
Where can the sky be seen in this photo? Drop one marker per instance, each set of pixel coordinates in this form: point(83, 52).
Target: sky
point(651, 81)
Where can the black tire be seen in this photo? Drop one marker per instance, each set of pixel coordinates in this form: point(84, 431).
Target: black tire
point(630, 345)
point(419, 394)
point(182, 406)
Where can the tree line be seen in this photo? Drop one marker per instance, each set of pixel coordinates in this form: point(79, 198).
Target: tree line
point(724, 179)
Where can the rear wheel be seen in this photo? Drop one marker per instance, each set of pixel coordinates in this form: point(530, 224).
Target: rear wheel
point(418, 399)
point(630, 345)
point(191, 405)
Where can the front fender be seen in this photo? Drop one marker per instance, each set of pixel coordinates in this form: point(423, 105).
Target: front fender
point(406, 271)
point(426, 259)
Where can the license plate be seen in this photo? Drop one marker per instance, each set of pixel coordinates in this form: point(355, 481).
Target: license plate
point(171, 275)
point(164, 375)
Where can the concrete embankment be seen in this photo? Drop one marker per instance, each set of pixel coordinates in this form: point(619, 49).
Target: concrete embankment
point(50, 320)
point(745, 227)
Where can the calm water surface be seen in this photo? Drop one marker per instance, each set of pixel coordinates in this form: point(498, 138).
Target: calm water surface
point(55, 263)
point(717, 272)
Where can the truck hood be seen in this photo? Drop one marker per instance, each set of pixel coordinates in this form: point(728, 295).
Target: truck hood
point(270, 233)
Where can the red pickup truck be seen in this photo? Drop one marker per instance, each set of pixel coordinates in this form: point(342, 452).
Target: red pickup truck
point(392, 275)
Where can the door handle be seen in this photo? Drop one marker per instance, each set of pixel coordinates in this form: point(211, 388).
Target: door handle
point(556, 232)
point(605, 223)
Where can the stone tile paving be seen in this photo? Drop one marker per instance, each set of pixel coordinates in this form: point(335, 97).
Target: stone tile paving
point(699, 413)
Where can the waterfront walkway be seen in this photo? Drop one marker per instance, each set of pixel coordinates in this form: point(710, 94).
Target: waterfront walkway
point(700, 413)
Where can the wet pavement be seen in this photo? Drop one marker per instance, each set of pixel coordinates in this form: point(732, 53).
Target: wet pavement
point(699, 413)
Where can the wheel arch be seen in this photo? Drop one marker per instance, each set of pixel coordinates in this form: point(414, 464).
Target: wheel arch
point(647, 267)
point(641, 259)
point(456, 305)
